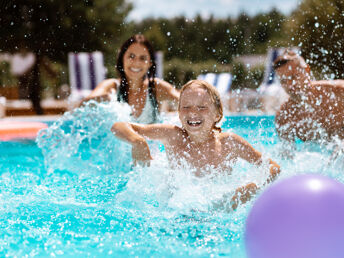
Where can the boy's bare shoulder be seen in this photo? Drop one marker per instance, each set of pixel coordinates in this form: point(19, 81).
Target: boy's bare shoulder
point(229, 138)
point(171, 133)
point(171, 129)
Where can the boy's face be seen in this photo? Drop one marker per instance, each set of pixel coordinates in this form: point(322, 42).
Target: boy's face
point(197, 112)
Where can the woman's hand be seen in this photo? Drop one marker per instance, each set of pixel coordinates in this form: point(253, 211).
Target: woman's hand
point(243, 194)
point(140, 153)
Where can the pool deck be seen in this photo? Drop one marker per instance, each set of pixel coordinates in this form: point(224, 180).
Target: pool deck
point(42, 118)
point(24, 107)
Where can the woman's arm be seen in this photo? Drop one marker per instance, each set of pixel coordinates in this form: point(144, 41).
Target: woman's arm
point(102, 91)
point(165, 91)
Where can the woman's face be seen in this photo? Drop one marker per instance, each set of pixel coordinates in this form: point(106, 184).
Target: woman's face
point(197, 112)
point(136, 61)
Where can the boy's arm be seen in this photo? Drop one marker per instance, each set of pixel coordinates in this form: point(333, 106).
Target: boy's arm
point(131, 132)
point(338, 151)
point(243, 194)
point(244, 150)
point(135, 133)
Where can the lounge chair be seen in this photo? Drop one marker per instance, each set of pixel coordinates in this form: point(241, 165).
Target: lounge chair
point(2, 106)
point(159, 60)
point(86, 70)
point(222, 81)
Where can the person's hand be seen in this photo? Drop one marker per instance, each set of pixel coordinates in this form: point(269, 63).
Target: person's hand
point(337, 155)
point(275, 170)
point(338, 151)
point(243, 194)
point(140, 153)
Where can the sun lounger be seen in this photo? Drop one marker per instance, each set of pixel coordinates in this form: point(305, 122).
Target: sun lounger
point(86, 70)
point(222, 81)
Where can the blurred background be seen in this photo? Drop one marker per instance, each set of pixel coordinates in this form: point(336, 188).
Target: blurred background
point(194, 37)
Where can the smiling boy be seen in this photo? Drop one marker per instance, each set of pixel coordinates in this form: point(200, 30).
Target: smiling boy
point(199, 141)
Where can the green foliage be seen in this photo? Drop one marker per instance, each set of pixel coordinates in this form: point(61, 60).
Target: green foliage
point(53, 28)
point(266, 30)
point(317, 27)
point(246, 77)
point(200, 39)
point(50, 82)
point(6, 79)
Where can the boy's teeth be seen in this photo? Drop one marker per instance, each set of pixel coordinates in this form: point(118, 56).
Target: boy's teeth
point(135, 69)
point(194, 122)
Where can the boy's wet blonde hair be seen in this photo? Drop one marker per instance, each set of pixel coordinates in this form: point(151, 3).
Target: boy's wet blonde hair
point(214, 95)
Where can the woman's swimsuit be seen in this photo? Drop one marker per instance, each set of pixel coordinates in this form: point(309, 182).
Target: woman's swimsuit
point(148, 114)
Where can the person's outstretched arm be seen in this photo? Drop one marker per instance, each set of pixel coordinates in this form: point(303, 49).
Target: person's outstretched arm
point(242, 149)
point(135, 135)
point(243, 194)
point(102, 91)
point(166, 91)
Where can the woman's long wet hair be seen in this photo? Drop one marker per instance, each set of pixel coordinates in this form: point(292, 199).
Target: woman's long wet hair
point(123, 94)
point(214, 95)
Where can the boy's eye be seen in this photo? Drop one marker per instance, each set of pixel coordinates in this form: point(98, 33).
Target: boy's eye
point(131, 56)
point(202, 107)
point(186, 107)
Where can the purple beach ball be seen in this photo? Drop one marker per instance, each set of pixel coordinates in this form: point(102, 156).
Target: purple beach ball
point(298, 217)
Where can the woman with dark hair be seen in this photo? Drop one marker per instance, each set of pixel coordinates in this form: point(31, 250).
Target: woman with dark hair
point(137, 84)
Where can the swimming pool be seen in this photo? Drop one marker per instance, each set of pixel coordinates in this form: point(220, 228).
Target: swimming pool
point(77, 195)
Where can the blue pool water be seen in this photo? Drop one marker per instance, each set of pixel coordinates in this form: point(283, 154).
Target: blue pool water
point(73, 193)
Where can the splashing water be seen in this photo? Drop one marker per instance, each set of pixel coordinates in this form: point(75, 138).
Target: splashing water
point(81, 140)
point(82, 197)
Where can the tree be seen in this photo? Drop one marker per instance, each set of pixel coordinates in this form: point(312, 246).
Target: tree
point(52, 28)
point(317, 27)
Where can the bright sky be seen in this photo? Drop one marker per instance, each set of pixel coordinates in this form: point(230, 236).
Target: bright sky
point(219, 8)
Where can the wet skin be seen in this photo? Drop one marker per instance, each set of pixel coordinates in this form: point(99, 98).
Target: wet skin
point(315, 109)
point(136, 63)
point(196, 142)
